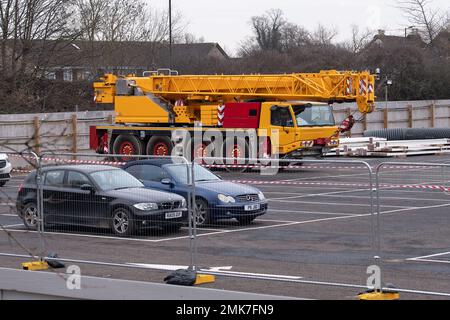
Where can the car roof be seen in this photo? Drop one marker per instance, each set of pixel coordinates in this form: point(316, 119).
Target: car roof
point(81, 168)
point(154, 162)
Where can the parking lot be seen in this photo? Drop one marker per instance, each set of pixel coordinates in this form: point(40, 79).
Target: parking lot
point(318, 229)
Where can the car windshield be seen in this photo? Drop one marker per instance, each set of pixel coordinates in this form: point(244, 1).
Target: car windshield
point(180, 173)
point(313, 115)
point(115, 180)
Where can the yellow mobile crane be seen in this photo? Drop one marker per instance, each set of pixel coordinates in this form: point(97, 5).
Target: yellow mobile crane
point(296, 108)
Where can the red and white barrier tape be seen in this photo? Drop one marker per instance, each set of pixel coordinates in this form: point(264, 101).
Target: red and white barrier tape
point(72, 161)
point(223, 166)
point(20, 171)
point(109, 163)
point(400, 186)
point(243, 166)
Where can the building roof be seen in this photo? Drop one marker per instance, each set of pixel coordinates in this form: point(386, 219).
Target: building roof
point(126, 55)
point(382, 39)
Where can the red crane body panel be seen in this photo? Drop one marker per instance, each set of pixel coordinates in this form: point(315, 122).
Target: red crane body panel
point(243, 115)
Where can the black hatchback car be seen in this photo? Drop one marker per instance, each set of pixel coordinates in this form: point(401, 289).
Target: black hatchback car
point(99, 196)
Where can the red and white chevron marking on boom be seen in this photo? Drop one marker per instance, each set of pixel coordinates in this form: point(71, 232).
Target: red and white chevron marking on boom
point(362, 86)
point(220, 115)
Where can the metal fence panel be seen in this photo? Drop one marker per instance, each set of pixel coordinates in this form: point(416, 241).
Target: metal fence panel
point(297, 221)
point(413, 241)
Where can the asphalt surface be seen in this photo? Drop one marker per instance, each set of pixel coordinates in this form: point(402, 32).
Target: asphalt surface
point(318, 228)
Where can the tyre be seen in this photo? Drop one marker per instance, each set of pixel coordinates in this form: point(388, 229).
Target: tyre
point(122, 222)
point(159, 146)
point(30, 216)
point(202, 212)
point(2, 183)
point(239, 150)
point(245, 220)
point(199, 150)
point(127, 145)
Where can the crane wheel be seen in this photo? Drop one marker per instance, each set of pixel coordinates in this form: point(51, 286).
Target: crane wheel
point(127, 145)
point(199, 150)
point(239, 151)
point(160, 146)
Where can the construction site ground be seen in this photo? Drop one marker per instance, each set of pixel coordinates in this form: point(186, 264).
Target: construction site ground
point(318, 228)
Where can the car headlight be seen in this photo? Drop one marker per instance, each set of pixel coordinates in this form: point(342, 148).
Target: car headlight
point(146, 206)
point(226, 199)
point(261, 196)
point(183, 203)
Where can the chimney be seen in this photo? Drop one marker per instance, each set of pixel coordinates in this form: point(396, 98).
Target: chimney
point(415, 31)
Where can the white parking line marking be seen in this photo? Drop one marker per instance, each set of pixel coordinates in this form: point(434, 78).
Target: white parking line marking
point(387, 198)
point(430, 256)
point(327, 177)
point(80, 235)
point(277, 221)
point(334, 203)
point(222, 270)
point(337, 195)
point(313, 212)
point(243, 229)
point(429, 260)
point(416, 208)
point(13, 226)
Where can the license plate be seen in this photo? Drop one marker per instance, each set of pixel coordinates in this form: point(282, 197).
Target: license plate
point(174, 215)
point(252, 207)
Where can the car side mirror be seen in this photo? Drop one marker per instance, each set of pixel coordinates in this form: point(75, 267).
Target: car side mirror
point(167, 182)
point(88, 187)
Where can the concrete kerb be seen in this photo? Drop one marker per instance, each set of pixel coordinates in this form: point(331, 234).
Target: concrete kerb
point(378, 170)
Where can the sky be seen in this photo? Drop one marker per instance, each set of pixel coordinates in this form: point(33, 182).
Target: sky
point(227, 22)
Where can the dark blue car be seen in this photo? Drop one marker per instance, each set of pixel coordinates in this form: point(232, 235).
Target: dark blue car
point(215, 198)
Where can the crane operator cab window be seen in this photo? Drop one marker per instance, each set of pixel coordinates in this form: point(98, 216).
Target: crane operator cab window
point(281, 117)
point(309, 115)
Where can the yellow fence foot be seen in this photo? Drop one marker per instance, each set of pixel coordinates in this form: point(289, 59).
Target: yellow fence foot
point(379, 296)
point(35, 266)
point(204, 279)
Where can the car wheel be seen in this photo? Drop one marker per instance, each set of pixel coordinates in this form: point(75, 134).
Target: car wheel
point(122, 222)
point(30, 216)
point(2, 183)
point(245, 220)
point(202, 212)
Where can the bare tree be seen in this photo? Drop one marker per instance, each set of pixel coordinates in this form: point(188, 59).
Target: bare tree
point(26, 27)
point(268, 29)
point(430, 21)
point(323, 35)
point(294, 36)
point(90, 14)
point(191, 38)
point(359, 39)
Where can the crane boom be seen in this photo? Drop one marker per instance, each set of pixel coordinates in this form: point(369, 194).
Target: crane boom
point(325, 86)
